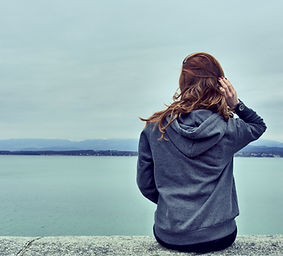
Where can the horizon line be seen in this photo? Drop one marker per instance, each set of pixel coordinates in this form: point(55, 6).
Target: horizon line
point(103, 138)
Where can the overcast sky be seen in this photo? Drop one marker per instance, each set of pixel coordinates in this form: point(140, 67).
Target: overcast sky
point(87, 69)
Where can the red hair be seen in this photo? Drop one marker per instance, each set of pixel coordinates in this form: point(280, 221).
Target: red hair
point(199, 89)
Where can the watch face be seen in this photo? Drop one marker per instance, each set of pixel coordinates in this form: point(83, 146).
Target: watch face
point(241, 107)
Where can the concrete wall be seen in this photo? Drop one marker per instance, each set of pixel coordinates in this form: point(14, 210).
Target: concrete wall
point(126, 245)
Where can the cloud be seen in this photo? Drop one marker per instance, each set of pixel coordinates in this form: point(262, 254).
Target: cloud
point(88, 69)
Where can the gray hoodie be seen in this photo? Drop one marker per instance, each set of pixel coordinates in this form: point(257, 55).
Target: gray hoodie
point(190, 175)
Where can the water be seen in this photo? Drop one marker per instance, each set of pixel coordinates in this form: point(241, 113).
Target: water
point(75, 195)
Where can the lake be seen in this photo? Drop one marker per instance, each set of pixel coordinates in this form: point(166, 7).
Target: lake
point(82, 195)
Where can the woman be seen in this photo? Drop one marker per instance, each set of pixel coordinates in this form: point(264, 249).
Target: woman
point(185, 159)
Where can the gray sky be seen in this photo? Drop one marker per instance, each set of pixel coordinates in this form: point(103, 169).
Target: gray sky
point(88, 69)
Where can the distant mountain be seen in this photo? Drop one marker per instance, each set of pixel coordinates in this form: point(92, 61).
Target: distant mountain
point(262, 149)
point(61, 144)
point(267, 143)
point(108, 144)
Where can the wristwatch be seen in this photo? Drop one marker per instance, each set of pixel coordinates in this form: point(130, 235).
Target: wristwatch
point(240, 107)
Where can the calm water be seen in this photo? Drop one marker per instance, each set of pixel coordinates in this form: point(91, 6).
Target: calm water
point(70, 195)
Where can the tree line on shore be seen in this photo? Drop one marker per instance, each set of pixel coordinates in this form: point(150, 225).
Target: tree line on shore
point(277, 152)
point(72, 152)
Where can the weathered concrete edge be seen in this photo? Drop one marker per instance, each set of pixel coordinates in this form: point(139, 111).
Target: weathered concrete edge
point(127, 245)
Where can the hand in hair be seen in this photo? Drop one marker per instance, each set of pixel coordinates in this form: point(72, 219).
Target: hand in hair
point(229, 92)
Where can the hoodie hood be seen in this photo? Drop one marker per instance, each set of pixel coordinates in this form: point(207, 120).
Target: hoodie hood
point(196, 132)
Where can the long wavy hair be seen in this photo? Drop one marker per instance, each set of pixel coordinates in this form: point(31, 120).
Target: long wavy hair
point(198, 89)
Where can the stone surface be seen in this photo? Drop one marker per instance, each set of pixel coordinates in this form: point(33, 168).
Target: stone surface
point(127, 245)
point(13, 245)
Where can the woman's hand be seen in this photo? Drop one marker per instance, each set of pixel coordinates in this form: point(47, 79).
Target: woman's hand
point(229, 92)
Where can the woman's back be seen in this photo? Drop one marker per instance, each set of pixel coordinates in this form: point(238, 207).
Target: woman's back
point(185, 165)
point(193, 175)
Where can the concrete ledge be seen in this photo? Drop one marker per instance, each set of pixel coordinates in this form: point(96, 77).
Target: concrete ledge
point(126, 245)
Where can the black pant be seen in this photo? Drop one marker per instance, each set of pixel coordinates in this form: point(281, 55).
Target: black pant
point(215, 245)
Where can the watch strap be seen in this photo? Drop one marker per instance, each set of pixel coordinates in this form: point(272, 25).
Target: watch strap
point(240, 107)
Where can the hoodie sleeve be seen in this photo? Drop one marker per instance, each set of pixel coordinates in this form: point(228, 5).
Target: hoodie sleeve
point(145, 175)
point(245, 129)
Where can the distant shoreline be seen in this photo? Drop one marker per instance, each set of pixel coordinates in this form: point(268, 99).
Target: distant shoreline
point(71, 153)
point(115, 153)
